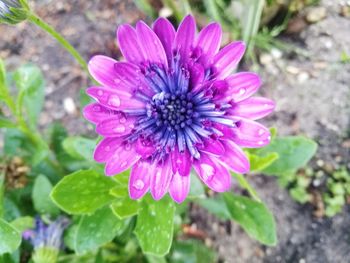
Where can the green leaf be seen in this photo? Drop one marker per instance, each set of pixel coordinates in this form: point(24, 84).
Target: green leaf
point(23, 223)
point(10, 238)
point(294, 152)
point(245, 185)
point(30, 82)
point(41, 196)
point(6, 123)
point(83, 192)
point(155, 225)
point(216, 206)
point(79, 147)
point(3, 86)
point(196, 189)
point(253, 217)
point(96, 230)
point(125, 207)
point(191, 251)
point(259, 163)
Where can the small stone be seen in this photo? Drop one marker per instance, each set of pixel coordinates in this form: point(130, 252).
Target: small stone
point(345, 10)
point(316, 14)
point(69, 105)
point(292, 70)
point(276, 53)
point(265, 59)
point(303, 76)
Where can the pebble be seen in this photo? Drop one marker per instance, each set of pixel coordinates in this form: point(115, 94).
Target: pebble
point(265, 58)
point(69, 105)
point(303, 76)
point(316, 14)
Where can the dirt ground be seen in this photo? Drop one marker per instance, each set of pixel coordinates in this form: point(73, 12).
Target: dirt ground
point(311, 90)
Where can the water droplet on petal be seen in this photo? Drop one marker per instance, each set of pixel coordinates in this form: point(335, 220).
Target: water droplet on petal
point(124, 164)
point(242, 91)
point(261, 142)
point(269, 138)
point(114, 101)
point(119, 129)
point(208, 171)
point(261, 132)
point(122, 120)
point(138, 184)
point(96, 108)
point(99, 92)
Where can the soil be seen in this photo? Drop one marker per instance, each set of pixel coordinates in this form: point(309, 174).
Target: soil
point(311, 89)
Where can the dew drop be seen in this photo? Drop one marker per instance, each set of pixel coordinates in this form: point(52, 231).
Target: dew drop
point(119, 129)
point(99, 92)
point(96, 108)
point(261, 132)
point(122, 120)
point(124, 164)
point(114, 101)
point(261, 142)
point(138, 184)
point(208, 171)
point(242, 91)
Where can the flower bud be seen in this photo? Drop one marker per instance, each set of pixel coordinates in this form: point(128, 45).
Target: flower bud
point(13, 11)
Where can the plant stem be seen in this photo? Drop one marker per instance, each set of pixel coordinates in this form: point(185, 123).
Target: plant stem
point(2, 189)
point(60, 39)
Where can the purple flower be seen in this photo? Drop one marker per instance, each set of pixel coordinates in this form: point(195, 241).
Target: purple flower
point(175, 104)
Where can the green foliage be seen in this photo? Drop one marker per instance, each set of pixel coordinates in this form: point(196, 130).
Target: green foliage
point(10, 238)
point(83, 192)
point(154, 228)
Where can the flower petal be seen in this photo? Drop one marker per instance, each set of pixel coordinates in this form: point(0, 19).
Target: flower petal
point(242, 85)
point(144, 148)
point(209, 39)
point(181, 162)
point(161, 178)
point(213, 173)
point(228, 58)
point(114, 99)
point(234, 158)
point(151, 45)
point(106, 148)
point(252, 108)
point(96, 113)
point(117, 126)
point(179, 187)
point(129, 44)
point(184, 37)
point(102, 69)
point(123, 157)
point(251, 134)
point(166, 33)
point(213, 147)
point(139, 180)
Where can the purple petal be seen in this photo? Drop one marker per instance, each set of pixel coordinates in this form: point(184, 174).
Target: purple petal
point(160, 180)
point(234, 158)
point(106, 148)
point(96, 113)
point(179, 187)
point(209, 39)
point(139, 180)
point(251, 134)
point(102, 69)
point(114, 99)
point(228, 58)
point(212, 173)
point(123, 158)
point(242, 85)
point(152, 47)
point(129, 44)
point(144, 148)
point(196, 76)
point(184, 37)
point(166, 33)
point(213, 147)
point(117, 126)
point(181, 162)
point(253, 108)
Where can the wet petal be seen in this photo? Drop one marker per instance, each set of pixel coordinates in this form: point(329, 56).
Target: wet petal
point(228, 58)
point(242, 85)
point(129, 44)
point(106, 148)
point(213, 173)
point(179, 187)
point(152, 47)
point(251, 134)
point(139, 180)
point(213, 147)
point(181, 162)
point(235, 158)
point(160, 179)
point(184, 37)
point(196, 76)
point(209, 39)
point(102, 69)
point(122, 159)
point(253, 108)
point(117, 126)
point(166, 33)
point(114, 99)
point(144, 148)
point(96, 113)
